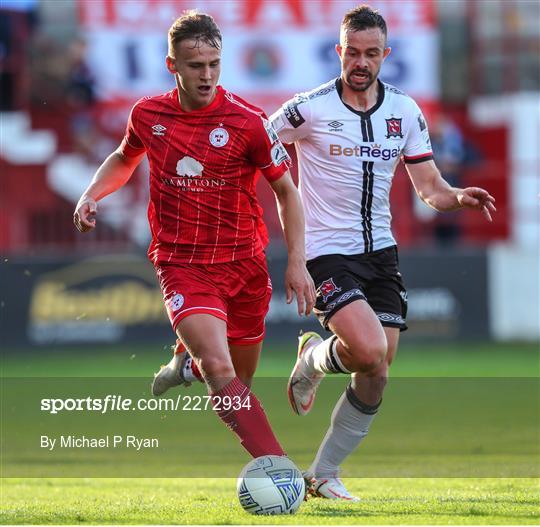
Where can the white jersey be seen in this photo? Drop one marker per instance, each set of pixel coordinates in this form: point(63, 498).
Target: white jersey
point(347, 160)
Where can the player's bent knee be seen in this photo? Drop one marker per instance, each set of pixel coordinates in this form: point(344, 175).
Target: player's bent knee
point(369, 363)
point(216, 368)
point(369, 357)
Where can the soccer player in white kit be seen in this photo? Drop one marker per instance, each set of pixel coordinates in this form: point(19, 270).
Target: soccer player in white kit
point(350, 134)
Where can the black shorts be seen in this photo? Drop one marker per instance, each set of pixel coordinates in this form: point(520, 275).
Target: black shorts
point(374, 277)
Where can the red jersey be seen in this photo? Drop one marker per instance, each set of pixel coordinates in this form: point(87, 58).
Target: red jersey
point(204, 166)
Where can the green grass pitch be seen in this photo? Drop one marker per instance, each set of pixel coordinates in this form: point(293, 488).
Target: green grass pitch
point(392, 449)
point(213, 501)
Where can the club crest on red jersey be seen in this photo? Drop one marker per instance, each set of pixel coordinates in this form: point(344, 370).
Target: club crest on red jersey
point(393, 127)
point(176, 302)
point(328, 288)
point(219, 137)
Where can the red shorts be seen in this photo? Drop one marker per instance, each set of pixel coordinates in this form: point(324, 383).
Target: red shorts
point(237, 292)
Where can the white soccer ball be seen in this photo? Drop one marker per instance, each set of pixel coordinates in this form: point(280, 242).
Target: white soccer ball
point(270, 485)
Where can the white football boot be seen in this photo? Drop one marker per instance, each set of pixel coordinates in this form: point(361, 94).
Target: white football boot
point(171, 374)
point(304, 381)
point(329, 488)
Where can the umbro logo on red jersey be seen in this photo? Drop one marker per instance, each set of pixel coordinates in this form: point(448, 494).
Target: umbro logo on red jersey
point(158, 129)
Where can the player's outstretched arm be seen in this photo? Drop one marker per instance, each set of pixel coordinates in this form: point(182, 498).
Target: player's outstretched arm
point(110, 176)
point(433, 190)
point(297, 279)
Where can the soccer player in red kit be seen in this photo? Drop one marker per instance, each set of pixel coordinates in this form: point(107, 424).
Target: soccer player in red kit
point(206, 148)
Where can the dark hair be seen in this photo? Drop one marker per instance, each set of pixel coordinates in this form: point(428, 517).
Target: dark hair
point(363, 17)
point(194, 26)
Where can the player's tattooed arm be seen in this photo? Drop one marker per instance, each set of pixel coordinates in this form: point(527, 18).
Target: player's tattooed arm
point(114, 172)
point(433, 190)
point(297, 279)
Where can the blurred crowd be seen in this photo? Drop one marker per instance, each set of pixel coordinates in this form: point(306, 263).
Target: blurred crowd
point(47, 74)
point(51, 75)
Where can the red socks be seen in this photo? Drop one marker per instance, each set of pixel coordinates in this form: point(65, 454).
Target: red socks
point(242, 412)
point(179, 348)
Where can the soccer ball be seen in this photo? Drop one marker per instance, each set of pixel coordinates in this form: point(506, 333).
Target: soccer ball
point(271, 485)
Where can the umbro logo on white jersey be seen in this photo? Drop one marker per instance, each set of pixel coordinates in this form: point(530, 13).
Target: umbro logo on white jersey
point(334, 125)
point(158, 129)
